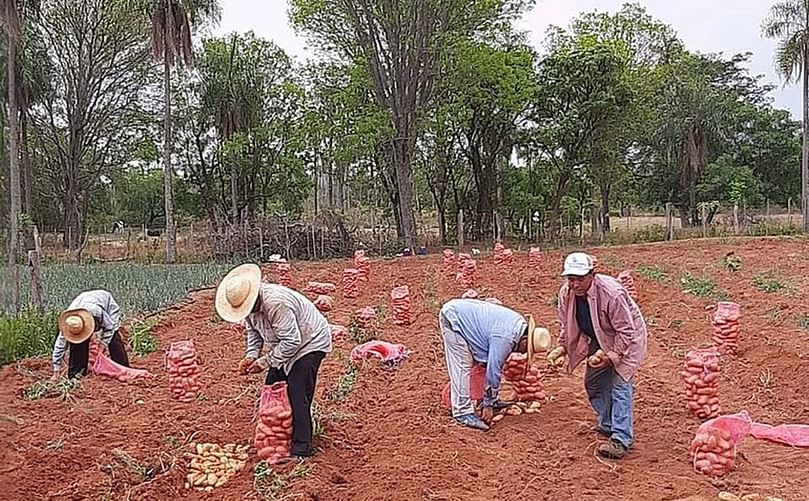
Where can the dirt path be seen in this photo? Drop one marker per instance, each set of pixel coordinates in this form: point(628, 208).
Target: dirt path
point(390, 439)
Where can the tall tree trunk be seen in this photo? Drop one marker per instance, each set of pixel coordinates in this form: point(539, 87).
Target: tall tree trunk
point(171, 232)
point(604, 212)
point(14, 169)
point(27, 174)
point(234, 195)
point(805, 152)
point(403, 146)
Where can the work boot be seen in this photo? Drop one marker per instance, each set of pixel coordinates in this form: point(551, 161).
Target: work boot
point(612, 450)
point(472, 421)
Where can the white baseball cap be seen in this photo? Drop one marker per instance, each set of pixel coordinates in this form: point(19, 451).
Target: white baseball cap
point(578, 264)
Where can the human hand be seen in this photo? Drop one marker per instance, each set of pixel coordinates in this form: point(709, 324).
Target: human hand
point(557, 356)
point(599, 360)
point(246, 364)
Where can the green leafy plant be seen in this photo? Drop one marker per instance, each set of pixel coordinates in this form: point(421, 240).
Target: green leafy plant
point(142, 340)
point(704, 287)
point(768, 282)
point(732, 262)
point(45, 388)
point(271, 484)
point(27, 334)
point(655, 273)
point(345, 384)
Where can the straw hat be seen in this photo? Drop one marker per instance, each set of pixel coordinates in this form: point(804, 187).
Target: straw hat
point(76, 325)
point(539, 339)
point(237, 292)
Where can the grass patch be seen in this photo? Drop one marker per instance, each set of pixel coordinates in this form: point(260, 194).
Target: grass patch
point(142, 341)
point(271, 484)
point(768, 282)
point(654, 273)
point(704, 287)
point(45, 388)
point(26, 335)
point(732, 262)
point(611, 261)
point(345, 384)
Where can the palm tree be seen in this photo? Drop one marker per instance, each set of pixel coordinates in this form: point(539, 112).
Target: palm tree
point(171, 24)
point(788, 23)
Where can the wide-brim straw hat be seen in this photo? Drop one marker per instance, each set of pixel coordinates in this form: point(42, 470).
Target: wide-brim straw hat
point(237, 292)
point(539, 339)
point(76, 325)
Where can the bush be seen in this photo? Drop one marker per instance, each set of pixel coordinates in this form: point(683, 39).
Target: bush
point(25, 335)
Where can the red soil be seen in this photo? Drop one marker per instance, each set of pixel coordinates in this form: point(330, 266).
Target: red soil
point(400, 443)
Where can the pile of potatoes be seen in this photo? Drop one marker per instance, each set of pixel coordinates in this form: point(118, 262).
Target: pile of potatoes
point(701, 382)
point(183, 368)
point(211, 465)
point(274, 428)
point(713, 452)
point(284, 273)
point(534, 257)
point(400, 304)
point(726, 327)
point(525, 383)
point(362, 264)
point(517, 409)
point(324, 303)
point(628, 281)
point(350, 277)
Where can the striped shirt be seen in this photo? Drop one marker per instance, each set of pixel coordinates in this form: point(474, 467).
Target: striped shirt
point(102, 306)
point(491, 331)
point(289, 324)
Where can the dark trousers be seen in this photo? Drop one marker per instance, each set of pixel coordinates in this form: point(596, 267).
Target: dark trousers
point(79, 353)
point(301, 382)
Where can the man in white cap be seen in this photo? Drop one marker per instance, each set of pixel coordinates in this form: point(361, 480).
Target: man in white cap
point(91, 312)
point(601, 323)
point(297, 336)
point(486, 333)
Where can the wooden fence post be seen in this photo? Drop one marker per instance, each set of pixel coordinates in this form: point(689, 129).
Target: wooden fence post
point(669, 221)
point(789, 211)
point(37, 289)
point(736, 218)
point(460, 230)
point(704, 217)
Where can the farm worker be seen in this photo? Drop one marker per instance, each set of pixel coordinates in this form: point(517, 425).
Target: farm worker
point(598, 317)
point(297, 336)
point(91, 312)
point(486, 333)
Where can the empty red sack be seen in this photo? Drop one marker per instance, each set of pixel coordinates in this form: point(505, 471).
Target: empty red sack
point(104, 366)
point(388, 353)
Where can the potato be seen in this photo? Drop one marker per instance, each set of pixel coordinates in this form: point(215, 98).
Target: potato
point(498, 417)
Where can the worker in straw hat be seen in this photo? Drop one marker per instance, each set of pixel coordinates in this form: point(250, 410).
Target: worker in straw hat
point(481, 332)
point(602, 324)
point(297, 336)
point(91, 312)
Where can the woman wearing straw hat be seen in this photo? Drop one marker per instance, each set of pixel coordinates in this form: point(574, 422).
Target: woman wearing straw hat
point(91, 312)
point(486, 333)
point(297, 336)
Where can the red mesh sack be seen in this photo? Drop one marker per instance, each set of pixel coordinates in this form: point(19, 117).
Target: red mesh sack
point(362, 264)
point(526, 384)
point(470, 294)
point(725, 326)
point(796, 435)
point(628, 281)
point(400, 304)
point(700, 376)
point(321, 288)
point(284, 273)
point(508, 258)
point(499, 250)
point(274, 428)
point(183, 368)
point(104, 366)
point(364, 317)
point(713, 450)
point(477, 383)
point(350, 278)
point(338, 333)
point(324, 303)
point(534, 257)
point(466, 277)
point(448, 259)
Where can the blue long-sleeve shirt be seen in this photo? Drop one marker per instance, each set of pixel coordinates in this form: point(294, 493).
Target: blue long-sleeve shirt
point(491, 331)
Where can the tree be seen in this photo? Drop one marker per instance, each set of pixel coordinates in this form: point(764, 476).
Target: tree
point(400, 41)
point(171, 25)
point(788, 22)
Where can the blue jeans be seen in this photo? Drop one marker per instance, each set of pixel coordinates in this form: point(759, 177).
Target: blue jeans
point(611, 398)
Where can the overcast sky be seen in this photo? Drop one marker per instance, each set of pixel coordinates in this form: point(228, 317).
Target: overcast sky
point(727, 26)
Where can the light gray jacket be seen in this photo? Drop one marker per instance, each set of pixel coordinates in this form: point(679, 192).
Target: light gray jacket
point(100, 304)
